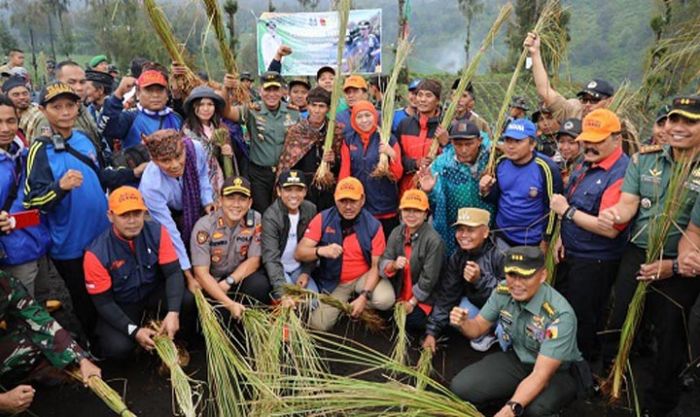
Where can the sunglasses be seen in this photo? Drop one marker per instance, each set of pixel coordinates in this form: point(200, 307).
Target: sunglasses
point(589, 100)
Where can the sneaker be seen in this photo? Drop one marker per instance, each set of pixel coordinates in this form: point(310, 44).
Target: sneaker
point(484, 343)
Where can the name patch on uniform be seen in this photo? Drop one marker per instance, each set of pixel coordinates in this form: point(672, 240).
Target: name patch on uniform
point(219, 243)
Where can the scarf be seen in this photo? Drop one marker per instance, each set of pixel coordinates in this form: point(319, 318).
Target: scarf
point(360, 106)
point(191, 206)
point(301, 138)
point(166, 111)
point(216, 174)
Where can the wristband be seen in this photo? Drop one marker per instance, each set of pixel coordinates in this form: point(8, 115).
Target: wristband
point(674, 266)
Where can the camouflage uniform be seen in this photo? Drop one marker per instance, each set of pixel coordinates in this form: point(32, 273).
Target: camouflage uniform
point(29, 337)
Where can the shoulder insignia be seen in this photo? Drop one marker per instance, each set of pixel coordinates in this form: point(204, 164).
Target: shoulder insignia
point(551, 312)
point(202, 237)
point(502, 289)
point(220, 222)
point(644, 149)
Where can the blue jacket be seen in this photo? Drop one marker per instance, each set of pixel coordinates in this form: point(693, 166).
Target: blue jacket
point(22, 245)
point(129, 125)
point(382, 195)
point(585, 192)
point(366, 226)
point(522, 194)
point(74, 217)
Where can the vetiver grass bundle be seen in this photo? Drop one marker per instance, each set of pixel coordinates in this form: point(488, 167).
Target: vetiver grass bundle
point(401, 339)
point(324, 177)
point(551, 37)
point(221, 137)
point(108, 395)
point(402, 50)
point(182, 384)
point(469, 72)
point(550, 258)
point(424, 367)
point(369, 317)
point(164, 30)
point(241, 94)
point(658, 230)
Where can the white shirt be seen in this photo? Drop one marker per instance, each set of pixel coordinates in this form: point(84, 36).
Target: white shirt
point(288, 262)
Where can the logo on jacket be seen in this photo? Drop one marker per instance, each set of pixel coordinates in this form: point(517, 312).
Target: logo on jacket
point(533, 192)
point(330, 230)
point(117, 264)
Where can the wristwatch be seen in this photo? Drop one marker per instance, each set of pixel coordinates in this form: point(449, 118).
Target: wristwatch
point(569, 213)
point(516, 408)
point(367, 294)
point(230, 281)
point(674, 267)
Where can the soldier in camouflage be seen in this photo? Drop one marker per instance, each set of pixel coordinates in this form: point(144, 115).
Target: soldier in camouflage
point(31, 342)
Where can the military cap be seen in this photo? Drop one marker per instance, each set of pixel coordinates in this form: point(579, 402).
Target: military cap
point(234, 185)
point(519, 103)
point(271, 79)
point(523, 260)
point(471, 216)
point(686, 106)
point(97, 60)
point(246, 76)
point(597, 88)
point(662, 113)
point(290, 178)
point(300, 80)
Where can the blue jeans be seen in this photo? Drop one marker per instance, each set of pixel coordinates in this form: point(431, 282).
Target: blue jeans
point(473, 312)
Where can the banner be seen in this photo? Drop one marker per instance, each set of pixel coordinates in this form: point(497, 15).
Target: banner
point(313, 38)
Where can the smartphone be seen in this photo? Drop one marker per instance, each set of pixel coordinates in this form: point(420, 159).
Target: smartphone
point(24, 219)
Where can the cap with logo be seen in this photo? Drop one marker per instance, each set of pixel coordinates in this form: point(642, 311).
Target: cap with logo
point(570, 127)
point(686, 106)
point(520, 103)
point(301, 81)
point(271, 79)
point(598, 125)
point(233, 185)
point(54, 90)
point(125, 199)
point(597, 88)
point(355, 81)
point(97, 60)
point(151, 77)
point(523, 260)
point(464, 130)
point(413, 85)
point(245, 76)
point(349, 188)
point(520, 129)
point(414, 199)
point(470, 216)
point(291, 178)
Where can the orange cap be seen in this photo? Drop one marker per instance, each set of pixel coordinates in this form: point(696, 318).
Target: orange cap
point(414, 199)
point(355, 81)
point(598, 125)
point(349, 187)
point(125, 199)
point(151, 77)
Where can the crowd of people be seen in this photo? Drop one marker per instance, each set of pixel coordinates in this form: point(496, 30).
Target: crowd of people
point(139, 193)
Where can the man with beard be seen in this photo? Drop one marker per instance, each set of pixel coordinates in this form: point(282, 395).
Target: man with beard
point(15, 88)
point(97, 89)
point(303, 147)
point(589, 255)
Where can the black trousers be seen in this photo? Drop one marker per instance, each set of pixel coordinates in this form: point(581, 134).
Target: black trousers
point(416, 321)
point(668, 302)
point(388, 225)
point(694, 329)
point(262, 182)
point(117, 345)
point(586, 285)
point(72, 273)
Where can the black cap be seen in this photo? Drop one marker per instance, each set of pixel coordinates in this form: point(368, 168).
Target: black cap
point(470, 87)
point(113, 68)
point(599, 89)
point(523, 260)
point(323, 69)
point(686, 106)
point(12, 82)
point(54, 90)
point(571, 127)
point(99, 77)
point(245, 75)
point(300, 80)
point(271, 79)
point(413, 85)
point(542, 108)
point(662, 113)
point(464, 130)
point(234, 185)
point(293, 177)
point(519, 103)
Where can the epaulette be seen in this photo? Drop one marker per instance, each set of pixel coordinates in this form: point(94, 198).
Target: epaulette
point(502, 289)
point(551, 312)
point(644, 149)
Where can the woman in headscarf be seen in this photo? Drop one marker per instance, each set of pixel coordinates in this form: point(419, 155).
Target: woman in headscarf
point(359, 156)
point(176, 189)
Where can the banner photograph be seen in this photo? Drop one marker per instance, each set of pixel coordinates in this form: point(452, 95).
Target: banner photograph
point(313, 37)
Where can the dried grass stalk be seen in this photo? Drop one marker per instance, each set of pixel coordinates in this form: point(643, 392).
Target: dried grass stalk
point(324, 177)
point(424, 367)
point(468, 74)
point(550, 258)
point(401, 340)
point(221, 137)
point(402, 50)
point(552, 38)
point(369, 317)
point(182, 384)
point(108, 395)
point(659, 228)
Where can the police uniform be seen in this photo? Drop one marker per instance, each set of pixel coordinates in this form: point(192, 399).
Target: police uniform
point(29, 336)
point(267, 129)
point(543, 325)
point(648, 176)
point(223, 248)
